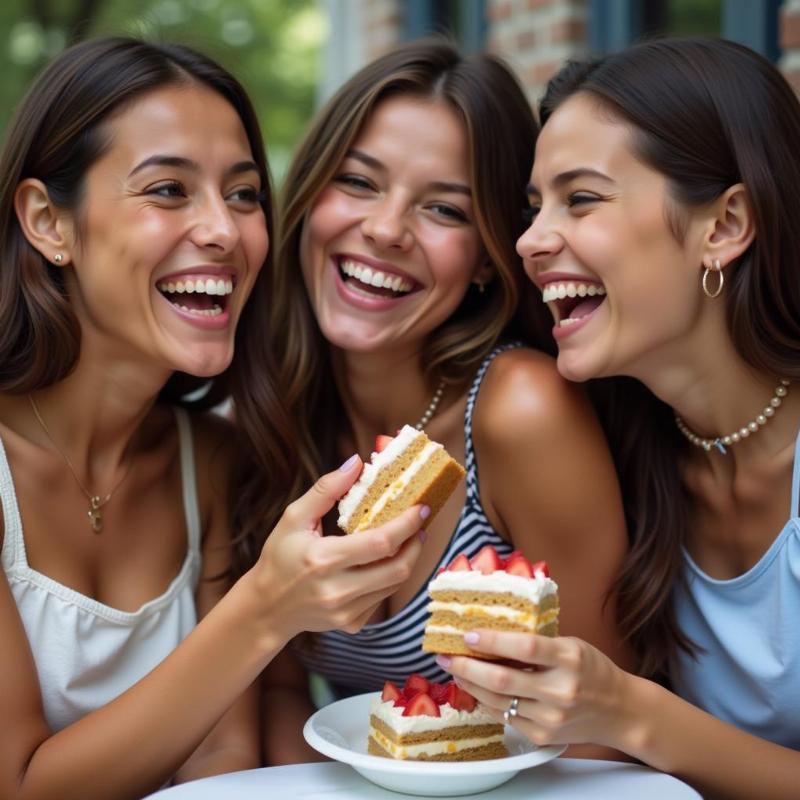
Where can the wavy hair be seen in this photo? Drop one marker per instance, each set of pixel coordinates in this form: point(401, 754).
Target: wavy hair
point(294, 413)
point(706, 114)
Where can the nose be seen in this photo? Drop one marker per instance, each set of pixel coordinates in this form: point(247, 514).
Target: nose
point(386, 225)
point(540, 241)
point(215, 227)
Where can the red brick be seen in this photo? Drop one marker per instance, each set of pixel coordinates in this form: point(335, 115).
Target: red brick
point(790, 30)
point(534, 5)
point(539, 74)
point(794, 79)
point(499, 10)
point(526, 40)
point(569, 30)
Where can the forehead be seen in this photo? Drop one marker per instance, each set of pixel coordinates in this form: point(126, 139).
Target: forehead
point(412, 131)
point(582, 133)
point(188, 120)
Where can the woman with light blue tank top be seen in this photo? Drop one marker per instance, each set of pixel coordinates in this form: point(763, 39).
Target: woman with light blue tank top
point(134, 221)
point(667, 176)
point(405, 303)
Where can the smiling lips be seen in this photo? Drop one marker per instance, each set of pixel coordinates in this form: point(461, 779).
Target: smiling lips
point(571, 302)
point(197, 296)
point(374, 281)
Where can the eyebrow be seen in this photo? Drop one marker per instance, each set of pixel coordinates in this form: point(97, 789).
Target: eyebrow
point(437, 186)
point(186, 163)
point(570, 175)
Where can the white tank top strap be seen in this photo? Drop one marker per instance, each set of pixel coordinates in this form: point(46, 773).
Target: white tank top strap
point(188, 478)
point(13, 541)
point(795, 509)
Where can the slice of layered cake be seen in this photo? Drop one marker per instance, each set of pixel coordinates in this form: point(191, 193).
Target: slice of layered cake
point(489, 592)
point(405, 470)
point(426, 721)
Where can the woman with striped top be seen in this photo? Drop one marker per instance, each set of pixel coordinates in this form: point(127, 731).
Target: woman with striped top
point(396, 278)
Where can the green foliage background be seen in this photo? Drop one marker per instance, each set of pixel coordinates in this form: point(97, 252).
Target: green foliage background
point(272, 46)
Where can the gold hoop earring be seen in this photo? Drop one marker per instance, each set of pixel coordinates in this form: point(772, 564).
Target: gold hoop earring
point(58, 258)
point(717, 268)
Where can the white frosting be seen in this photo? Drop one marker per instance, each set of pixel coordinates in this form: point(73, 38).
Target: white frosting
point(431, 748)
point(399, 485)
point(505, 613)
point(541, 621)
point(392, 715)
point(352, 500)
point(533, 590)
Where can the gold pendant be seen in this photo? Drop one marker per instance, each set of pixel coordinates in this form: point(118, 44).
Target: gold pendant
point(95, 514)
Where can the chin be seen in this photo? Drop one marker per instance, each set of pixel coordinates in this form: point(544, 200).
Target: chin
point(574, 369)
point(205, 365)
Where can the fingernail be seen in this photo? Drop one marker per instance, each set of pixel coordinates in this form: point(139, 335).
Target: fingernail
point(425, 512)
point(349, 463)
point(423, 536)
point(472, 637)
point(444, 661)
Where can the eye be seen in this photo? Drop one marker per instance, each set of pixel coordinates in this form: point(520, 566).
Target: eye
point(581, 198)
point(450, 213)
point(354, 182)
point(247, 195)
point(530, 213)
point(168, 189)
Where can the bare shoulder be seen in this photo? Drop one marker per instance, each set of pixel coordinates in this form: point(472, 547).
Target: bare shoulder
point(524, 398)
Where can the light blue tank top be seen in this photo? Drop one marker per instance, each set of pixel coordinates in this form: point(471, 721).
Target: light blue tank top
point(748, 673)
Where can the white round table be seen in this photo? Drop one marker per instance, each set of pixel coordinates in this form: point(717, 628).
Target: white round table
point(561, 779)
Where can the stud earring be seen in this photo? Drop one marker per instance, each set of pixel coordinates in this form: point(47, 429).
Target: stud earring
point(58, 258)
point(717, 268)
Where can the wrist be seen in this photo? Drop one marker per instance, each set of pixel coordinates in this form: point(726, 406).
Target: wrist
point(637, 716)
point(257, 611)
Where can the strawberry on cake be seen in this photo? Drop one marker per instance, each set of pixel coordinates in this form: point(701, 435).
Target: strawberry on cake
point(489, 592)
point(426, 721)
point(405, 470)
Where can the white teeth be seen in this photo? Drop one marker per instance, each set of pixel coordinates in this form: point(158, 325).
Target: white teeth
point(210, 286)
point(375, 277)
point(564, 323)
point(202, 312)
point(558, 291)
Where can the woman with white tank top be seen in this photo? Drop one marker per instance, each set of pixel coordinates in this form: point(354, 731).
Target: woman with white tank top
point(669, 174)
point(134, 225)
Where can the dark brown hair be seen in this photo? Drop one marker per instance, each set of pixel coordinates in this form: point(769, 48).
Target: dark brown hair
point(56, 135)
point(706, 113)
point(295, 413)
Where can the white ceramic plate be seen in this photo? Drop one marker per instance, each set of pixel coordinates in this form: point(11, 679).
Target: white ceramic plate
point(339, 731)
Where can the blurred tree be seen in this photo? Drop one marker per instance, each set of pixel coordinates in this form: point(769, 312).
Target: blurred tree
point(272, 46)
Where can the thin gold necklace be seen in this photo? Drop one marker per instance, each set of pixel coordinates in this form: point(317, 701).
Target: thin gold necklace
point(96, 501)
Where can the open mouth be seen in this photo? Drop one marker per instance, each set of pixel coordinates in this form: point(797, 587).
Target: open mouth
point(570, 302)
point(203, 297)
point(373, 282)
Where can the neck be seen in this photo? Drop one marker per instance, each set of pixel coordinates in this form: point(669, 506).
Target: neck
point(380, 394)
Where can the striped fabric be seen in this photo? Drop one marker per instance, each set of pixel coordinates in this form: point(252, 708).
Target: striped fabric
point(391, 649)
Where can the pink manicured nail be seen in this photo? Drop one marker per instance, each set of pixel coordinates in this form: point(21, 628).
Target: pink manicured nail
point(349, 463)
point(425, 512)
point(444, 661)
point(423, 536)
point(472, 637)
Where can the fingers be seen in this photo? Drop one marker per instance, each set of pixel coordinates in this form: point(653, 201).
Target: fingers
point(494, 678)
point(379, 543)
point(528, 648)
point(307, 510)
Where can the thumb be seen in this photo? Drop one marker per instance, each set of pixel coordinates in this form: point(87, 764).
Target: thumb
point(326, 492)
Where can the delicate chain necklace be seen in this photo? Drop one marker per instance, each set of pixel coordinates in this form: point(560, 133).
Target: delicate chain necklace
point(751, 427)
point(96, 501)
point(432, 406)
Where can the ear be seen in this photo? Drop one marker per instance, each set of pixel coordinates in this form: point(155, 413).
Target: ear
point(45, 229)
point(732, 229)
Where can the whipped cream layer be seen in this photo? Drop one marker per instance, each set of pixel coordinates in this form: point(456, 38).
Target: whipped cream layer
point(531, 589)
point(431, 748)
point(542, 621)
point(392, 715)
point(353, 499)
point(506, 613)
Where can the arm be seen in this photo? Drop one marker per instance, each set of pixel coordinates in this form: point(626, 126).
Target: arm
point(580, 695)
point(234, 743)
point(302, 580)
point(548, 481)
point(286, 706)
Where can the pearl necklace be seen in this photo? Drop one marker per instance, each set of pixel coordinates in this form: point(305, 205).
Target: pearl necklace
point(432, 406)
point(751, 427)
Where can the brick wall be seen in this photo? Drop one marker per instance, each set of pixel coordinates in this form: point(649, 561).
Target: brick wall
point(790, 41)
point(382, 25)
point(537, 36)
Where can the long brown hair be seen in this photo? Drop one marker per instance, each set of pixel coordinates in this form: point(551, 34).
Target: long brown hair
point(707, 114)
point(56, 135)
point(295, 413)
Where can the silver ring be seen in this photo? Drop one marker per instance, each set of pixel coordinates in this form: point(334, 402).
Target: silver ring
point(511, 711)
